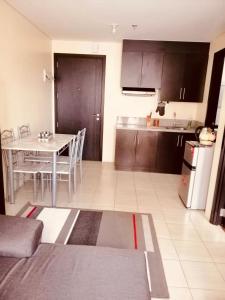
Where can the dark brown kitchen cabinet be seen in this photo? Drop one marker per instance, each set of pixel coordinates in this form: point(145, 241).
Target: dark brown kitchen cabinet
point(151, 151)
point(131, 69)
point(135, 150)
point(170, 151)
point(125, 149)
point(167, 151)
point(141, 69)
point(183, 77)
point(151, 72)
point(146, 148)
point(178, 69)
point(194, 77)
point(172, 76)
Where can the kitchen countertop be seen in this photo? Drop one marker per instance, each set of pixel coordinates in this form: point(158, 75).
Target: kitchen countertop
point(165, 125)
point(154, 128)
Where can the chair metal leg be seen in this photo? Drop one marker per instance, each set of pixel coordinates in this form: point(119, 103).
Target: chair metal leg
point(35, 186)
point(81, 170)
point(8, 187)
point(42, 187)
point(69, 186)
point(50, 183)
point(75, 178)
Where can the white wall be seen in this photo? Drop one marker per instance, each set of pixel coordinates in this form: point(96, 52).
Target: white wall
point(117, 104)
point(216, 45)
point(25, 51)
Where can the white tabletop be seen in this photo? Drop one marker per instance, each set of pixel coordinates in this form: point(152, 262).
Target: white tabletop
point(32, 143)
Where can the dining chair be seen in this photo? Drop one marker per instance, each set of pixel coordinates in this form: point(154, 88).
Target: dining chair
point(7, 136)
point(65, 159)
point(18, 166)
point(31, 169)
point(64, 169)
point(25, 131)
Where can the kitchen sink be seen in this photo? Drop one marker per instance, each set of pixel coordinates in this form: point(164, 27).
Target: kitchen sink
point(175, 127)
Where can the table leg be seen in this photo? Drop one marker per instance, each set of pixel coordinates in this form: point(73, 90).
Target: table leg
point(11, 179)
point(70, 148)
point(54, 183)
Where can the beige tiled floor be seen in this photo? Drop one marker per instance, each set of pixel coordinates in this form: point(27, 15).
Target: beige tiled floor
point(192, 249)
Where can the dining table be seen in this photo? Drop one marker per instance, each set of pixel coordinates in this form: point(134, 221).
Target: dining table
point(54, 145)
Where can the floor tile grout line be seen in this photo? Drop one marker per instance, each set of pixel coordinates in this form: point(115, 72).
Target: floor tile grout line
point(182, 268)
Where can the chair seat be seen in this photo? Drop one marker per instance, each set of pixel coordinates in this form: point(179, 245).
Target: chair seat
point(60, 169)
point(27, 168)
point(63, 160)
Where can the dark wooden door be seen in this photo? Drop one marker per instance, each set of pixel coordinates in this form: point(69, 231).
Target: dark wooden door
point(146, 150)
point(79, 89)
point(215, 85)
point(172, 77)
point(131, 69)
point(2, 198)
point(125, 149)
point(167, 152)
point(194, 77)
point(151, 70)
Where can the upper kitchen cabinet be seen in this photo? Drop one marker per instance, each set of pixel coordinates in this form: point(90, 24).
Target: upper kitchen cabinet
point(151, 71)
point(131, 69)
point(184, 72)
point(172, 77)
point(141, 64)
point(177, 68)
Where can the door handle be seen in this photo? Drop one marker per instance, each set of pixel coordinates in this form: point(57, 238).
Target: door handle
point(96, 115)
point(178, 140)
point(180, 93)
point(181, 141)
point(184, 93)
point(135, 138)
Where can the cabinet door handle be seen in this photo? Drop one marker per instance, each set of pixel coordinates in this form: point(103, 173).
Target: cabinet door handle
point(135, 139)
point(181, 141)
point(178, 140)
point(181, 93)
point(184, 93)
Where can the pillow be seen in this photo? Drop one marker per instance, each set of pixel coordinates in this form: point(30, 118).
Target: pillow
point(19, 237)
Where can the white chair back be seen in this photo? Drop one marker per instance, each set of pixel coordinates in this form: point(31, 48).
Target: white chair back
point(81, 144)
point(7, 136)
point(24, 131)
point(74, 150)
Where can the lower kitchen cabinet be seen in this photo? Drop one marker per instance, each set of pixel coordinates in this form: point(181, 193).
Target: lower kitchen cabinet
point(170, 151)
point(125, 149)
point(146, 149)
point(167, 153)
point(135, 150)
point(150, 151)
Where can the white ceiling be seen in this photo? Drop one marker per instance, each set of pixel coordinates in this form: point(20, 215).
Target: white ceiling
point(187, 20)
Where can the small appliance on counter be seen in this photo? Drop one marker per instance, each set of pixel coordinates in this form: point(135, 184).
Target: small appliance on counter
point(205, 135)
point(196, 170)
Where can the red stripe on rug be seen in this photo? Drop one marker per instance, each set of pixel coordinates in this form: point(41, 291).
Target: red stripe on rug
point(135, 232)
point(31, 212)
